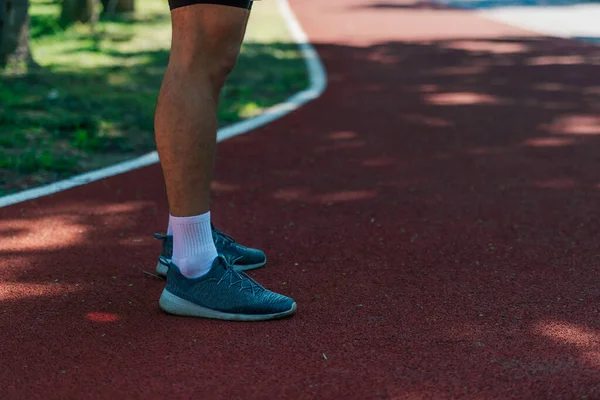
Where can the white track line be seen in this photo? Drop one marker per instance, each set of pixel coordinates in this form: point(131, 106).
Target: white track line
point(318, 83)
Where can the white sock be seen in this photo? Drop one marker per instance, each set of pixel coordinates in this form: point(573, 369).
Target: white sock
point(169, 228)
point(193, 248)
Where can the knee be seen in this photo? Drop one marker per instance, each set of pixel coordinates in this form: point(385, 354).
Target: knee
point(222, 65)
point(212, 58)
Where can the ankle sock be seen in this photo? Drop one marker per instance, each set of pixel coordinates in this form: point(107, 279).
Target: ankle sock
point(193, 247)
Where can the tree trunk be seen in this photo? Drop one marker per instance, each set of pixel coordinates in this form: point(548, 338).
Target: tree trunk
point(126, 6)
point(14, 33)
point(76, 11)
point(112, 6)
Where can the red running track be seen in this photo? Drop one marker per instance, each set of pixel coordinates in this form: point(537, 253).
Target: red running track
point(434, 214)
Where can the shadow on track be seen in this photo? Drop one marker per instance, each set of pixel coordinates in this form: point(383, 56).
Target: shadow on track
point(435, 214)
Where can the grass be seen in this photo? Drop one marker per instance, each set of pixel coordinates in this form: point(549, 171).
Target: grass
point(91, 103)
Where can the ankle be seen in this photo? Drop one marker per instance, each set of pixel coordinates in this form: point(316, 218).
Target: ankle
point(193, 247)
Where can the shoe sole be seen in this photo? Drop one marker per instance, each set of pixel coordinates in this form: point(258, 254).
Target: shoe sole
point(162, 269)
point(175, 305)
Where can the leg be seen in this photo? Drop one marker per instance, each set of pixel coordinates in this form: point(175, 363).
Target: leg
point(206, 43)
point(205, 47)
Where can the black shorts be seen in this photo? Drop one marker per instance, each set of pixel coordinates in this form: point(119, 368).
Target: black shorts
point(233, 3)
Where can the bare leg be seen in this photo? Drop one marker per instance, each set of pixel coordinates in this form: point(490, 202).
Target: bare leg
point(205, 46)
point(206, 43)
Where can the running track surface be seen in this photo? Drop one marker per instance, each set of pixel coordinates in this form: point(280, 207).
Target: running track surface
point(434, 214)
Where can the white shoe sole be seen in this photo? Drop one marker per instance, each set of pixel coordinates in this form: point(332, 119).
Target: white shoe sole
point(176, 305)
point(162, 269)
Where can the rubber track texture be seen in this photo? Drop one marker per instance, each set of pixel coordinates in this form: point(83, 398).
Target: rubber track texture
point(434, 214)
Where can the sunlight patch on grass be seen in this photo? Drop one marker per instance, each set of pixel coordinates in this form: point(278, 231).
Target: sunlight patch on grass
point(93, 101)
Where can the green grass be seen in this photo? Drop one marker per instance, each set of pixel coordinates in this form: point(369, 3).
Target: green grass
point(92, 101)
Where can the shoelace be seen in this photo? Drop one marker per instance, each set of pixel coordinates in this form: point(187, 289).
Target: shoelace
point(225, 238)
point(240, 277)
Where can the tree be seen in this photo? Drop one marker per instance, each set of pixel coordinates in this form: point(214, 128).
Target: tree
point(112, 6)
point(77, 11)
point(14, 33)
point(86, 11)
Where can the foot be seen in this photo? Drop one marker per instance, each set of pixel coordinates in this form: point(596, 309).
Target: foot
point(223, 293)
point(240, 257)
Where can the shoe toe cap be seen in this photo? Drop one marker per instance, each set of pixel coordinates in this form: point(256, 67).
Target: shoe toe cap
point(276, 303)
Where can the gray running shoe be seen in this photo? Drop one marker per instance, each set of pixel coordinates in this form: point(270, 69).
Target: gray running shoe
point(223, 293)
point(240, 257)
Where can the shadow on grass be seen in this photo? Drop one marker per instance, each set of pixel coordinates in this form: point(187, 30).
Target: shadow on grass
point(42, 25)
point(129, 18)
point(75, 115)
